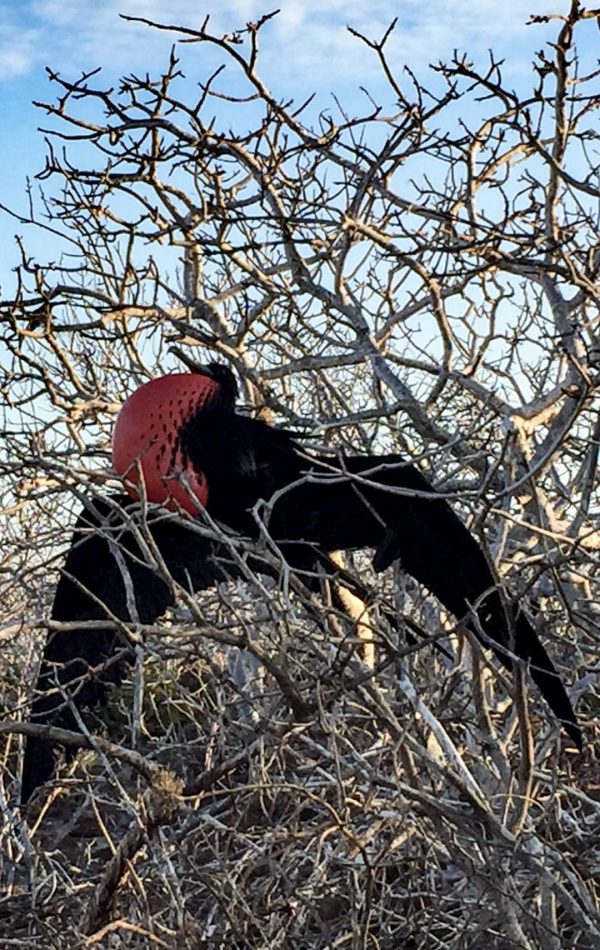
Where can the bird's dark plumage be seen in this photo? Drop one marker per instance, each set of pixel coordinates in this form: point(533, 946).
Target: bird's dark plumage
point(194, 449)
point(105, 566)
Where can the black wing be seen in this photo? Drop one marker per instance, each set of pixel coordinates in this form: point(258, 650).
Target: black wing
point(336, 504)
point(107, 575)
point(344, 508)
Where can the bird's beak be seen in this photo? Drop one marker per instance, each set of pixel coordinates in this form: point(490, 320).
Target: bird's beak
point(191, 364)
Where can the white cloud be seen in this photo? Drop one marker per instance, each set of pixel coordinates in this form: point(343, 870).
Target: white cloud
point(18, 47)
point(308, 37)
point(13, 62)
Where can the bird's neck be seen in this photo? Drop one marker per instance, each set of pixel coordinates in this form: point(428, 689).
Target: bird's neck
point(244, 461)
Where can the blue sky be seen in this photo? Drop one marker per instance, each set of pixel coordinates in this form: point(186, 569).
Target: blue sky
point(306, 48)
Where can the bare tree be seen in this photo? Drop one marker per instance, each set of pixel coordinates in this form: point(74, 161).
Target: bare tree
point(422, 277)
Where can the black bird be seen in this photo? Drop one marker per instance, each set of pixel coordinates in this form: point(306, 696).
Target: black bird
point(179, 442)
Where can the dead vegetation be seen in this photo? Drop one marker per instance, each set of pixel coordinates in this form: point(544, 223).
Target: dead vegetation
point(423, 278)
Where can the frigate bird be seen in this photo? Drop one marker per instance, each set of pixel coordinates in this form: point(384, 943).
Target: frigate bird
point(180, 444)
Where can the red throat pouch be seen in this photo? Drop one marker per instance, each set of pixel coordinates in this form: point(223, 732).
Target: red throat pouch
point(147, 440)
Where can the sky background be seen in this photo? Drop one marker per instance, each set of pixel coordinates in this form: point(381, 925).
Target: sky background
point(305, 49)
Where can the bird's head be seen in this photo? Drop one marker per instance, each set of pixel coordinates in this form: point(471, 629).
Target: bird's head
point(147, 435)
point(217, 372)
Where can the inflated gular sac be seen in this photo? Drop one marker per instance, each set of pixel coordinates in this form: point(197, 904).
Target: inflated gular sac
point(147, 440)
